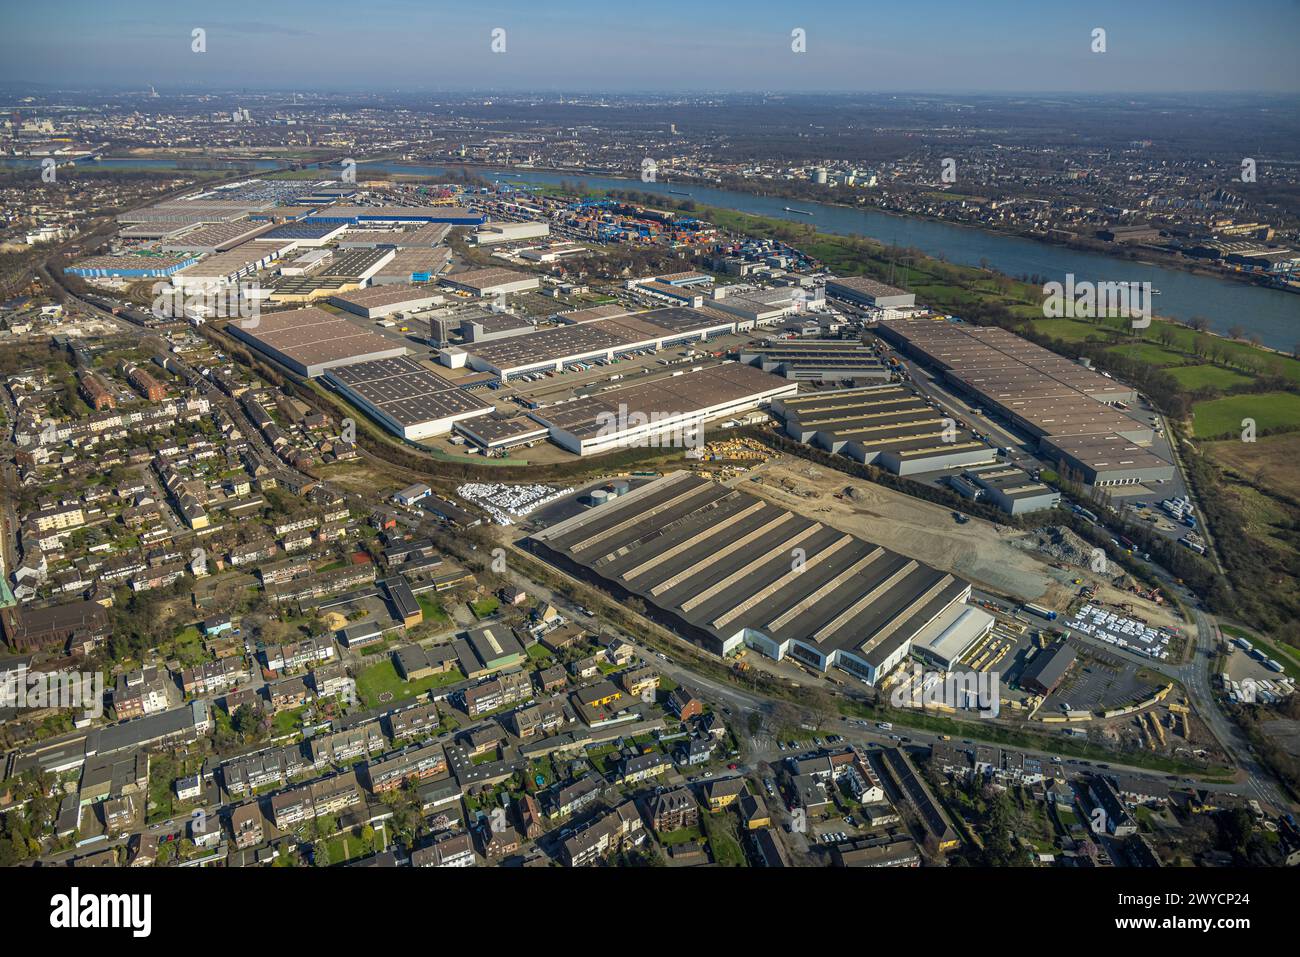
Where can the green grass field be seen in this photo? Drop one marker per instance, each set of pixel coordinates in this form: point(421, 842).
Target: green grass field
point(1068, 330)
point(485, 606)
point(1149, 353)
point(1209, 377)
point(381, 678)
point(1270, 410)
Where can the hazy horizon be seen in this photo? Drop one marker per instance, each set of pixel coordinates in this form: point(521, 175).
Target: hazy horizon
point(1003, 47)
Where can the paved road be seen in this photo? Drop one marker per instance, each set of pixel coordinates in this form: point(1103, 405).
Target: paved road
point(739, 700)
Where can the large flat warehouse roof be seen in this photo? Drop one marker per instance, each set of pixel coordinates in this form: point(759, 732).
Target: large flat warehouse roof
point(597, 337)
point(719, 562)
point(890, 423)
point(407, 396)
point(690, 394)
point(312, 340)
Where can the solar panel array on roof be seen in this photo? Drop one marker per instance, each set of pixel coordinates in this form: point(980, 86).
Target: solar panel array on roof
point(416, 399)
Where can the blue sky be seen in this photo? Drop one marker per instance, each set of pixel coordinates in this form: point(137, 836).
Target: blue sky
point(667, 45)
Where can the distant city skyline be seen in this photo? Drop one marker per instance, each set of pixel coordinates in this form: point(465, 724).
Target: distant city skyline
point(1000, 46)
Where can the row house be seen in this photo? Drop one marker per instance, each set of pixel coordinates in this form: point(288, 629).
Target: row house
point(450, 850)
point(299, 654)
point(160, 577)
point(422, 719)
point(342, 747)
point(642, 767)
point(59, 517)
point(563, 800)
point(322, 583)
point(330, 795)
point(212, 677)
point(284, 571)
point(541, 718)
point(330, 679)
point(139, 693)
point(297, 541)
point(414, 763)
point(616, 829)
point(638, 682)
point(673, 809)
point(287, 693)
point(530, 816)
point(304, 523)
point(246, 825)
point(253, 552)
point(497, 693)
point(251, 772)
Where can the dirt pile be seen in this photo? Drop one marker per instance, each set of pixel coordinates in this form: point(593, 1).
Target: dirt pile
point(1064, 546)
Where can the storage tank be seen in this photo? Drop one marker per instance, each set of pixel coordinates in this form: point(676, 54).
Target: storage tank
point(599, 497)
point(621, 487)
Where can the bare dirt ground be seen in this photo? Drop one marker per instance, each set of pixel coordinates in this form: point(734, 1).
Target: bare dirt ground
point(1159, 616)
point(978, 551)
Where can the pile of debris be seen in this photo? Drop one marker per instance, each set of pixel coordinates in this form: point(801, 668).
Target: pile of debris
point(1063, 545)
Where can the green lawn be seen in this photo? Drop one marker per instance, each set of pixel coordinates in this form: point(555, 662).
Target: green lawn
point(382, 677)
point(188, 647)
point(1069, 330)
point(682, 835)
point(433, 610)
point(1149, 353)
point(726, 850)
point(485, 607)
point(1270, 410)
point(287, 722)
point(1209, 377)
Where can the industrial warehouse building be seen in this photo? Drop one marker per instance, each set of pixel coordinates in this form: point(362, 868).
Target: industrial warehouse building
point(225, 269)
point(486, 327)
point(715, 564)
point(380, 301)
point(309, 341)
point(952, 634)
point(889, 426)
point(668, 411)
point(130, 266)
point(1009, 488)
point(414, 264)
point(824, 360)
point(491, 282)
point(356, 215)
point(493, 433)
point(759, 307)
point(1106, 460)
point(869, 292)
point(600, 339)
point(214, 237)
point(510, 232)
point(1047, 668)
point(1073, 412)
point(407, 398)
point(305, 234)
